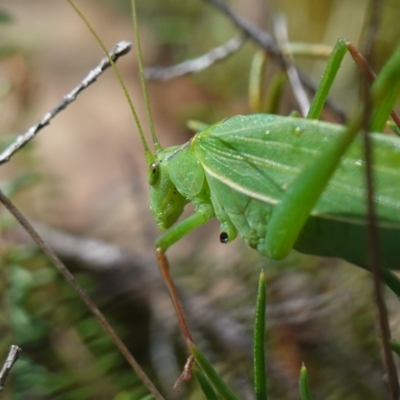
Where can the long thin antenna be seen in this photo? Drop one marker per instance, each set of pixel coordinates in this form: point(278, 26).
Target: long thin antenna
point(148, 154)
point(157, 145)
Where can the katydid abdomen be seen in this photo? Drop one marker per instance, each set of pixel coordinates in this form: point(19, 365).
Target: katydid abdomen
point(250, 161)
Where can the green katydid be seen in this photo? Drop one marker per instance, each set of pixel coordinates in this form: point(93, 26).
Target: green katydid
point(282, 182)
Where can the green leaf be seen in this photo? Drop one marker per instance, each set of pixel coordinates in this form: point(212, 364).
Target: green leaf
point(304, 388)
point(219, 385)
point(205, 385)
point(260, 384)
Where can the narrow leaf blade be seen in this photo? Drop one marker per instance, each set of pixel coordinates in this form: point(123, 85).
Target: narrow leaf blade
point(260, 384)
point(304, 387)
point(205, 385)
point(220, 386)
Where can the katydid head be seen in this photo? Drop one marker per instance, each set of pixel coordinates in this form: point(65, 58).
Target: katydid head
point(166, 203)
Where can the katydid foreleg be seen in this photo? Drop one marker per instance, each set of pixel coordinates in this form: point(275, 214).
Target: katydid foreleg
point(163, 264)
point(203, 213)
point(200, 217)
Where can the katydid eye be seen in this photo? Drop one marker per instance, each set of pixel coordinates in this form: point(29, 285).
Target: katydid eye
point(154, 173)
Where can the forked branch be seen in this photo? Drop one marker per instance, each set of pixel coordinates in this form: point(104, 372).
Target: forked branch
point(120, 49)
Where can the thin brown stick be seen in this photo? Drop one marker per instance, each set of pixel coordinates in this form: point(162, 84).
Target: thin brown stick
point(197, 64)
point(12, 357)
point(119, 50)
point(372, 226)
point(369, 73)
point(84, 297)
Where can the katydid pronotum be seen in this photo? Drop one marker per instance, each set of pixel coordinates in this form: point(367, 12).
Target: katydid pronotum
point(282, 182)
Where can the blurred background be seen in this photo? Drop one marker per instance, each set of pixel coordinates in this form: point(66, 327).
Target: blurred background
point(83, 182)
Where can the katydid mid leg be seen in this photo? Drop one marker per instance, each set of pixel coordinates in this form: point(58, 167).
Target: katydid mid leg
point(200, 217)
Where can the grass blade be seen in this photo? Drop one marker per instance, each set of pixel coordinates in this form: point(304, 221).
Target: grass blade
point(219, 385)
point(205, 385)
point(260, 384)
point(304, 387)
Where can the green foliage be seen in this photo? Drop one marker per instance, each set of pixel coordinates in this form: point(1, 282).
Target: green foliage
point(260, 380)
point(304, 388)
point(205, 385)
point(211, 378)
point(218, 383)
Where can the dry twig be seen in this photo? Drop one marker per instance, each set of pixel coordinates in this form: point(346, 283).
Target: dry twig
point(81, 293)
point(12, 357)
point(120, 49)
